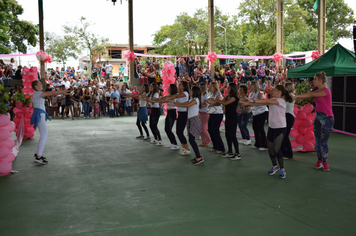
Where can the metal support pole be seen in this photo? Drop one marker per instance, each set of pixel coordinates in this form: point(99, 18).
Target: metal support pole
point(40, 16)
point(279, 45)
point(133, 81)
point(321, 27)
point(211, 31)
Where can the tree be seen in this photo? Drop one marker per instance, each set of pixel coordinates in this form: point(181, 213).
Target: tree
point(87, 40)
point(15, 34)
point(61, 48)
point(339, 17)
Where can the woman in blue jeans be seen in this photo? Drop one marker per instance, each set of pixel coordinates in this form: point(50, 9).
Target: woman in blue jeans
point(86, 99)
point(215, 117)
point(244, 116)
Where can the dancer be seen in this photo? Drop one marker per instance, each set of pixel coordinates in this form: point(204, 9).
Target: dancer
point(286, 145)
point(231, 119)
point(193, 122)
point(39, 116)
point(277, 126)
point(182, 97)
point(68, 105)
point(259, 114)
point(215, 117)
point(204, 117)
point(244, 116)
point(142, 116)
point(324, 120)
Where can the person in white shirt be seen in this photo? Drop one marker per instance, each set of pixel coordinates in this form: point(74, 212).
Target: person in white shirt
point(66, 83)
point(108, 68)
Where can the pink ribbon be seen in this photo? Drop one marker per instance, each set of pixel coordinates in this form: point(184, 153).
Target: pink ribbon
point(17, 55)
point(19, 137)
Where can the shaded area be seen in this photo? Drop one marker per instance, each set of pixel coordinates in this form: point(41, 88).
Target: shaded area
point(102, 181)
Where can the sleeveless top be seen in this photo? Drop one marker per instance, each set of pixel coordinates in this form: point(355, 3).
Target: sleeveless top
point(256, 110)
point(181, 100)
point(143, 103)
point(232, 107)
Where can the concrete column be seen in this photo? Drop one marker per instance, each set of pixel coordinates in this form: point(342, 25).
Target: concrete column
point(279, 45)
point(321, 27)
point(211, 31)
point(133, 81)
point(42, 67)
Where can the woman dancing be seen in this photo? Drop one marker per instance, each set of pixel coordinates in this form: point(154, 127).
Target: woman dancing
point(39, 116)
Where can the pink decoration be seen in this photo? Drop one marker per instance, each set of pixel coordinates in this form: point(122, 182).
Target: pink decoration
point(128, 55)
point(307, 122)
point(315, 55)
point(42, 56)
point(17, 55)
point(211, 58)
point(294, 133)
point(277, 57)
point(309, 135)
point(301, 115)
point(6, 145)
point(300, 139)
point(308, 146)
point(168, 72)
point(48, 59)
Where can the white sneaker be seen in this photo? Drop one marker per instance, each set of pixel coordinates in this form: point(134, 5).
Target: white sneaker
point(169, 145)
point(254, 147)
point(159, 143)
point(262, 149)
point(181, 151)
point(184, 152)
point(174, 147)
point(242, 141)
point(247, 142)
point(153, 142)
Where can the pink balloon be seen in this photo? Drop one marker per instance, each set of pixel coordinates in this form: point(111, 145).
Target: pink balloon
point(24, 109)
point(5, 168)
point(28, 115)
point(301, 115)
point(17, 110)
point(4, 151)
point(301, 129)
point(10, 158)
point(297, 123)
point(308, 146)
point(29, 134)
point(4, 120)
point(4, 134)
point(312, 141)
point(300, 139)
point(294, 133)
point(9, 143)
point(309, 135)
point(16, 120)
point(311, 116)
point(311, 128)
point(294, 143)
point(308, 108)
point(307, 123)
point(30, 106)
point(10, 127)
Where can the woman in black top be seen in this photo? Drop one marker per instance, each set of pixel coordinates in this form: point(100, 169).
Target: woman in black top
point(68, 105)
point(231, 119)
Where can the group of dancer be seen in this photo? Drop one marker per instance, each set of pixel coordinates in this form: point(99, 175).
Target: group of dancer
point(197, 110)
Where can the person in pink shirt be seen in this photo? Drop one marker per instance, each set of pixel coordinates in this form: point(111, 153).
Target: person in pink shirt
point(324, 120)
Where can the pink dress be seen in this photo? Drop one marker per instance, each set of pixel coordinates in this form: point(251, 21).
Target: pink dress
point(96, 108)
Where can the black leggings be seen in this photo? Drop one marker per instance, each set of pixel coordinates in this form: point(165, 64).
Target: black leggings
point(143, 125)
point(180, 127)
point(274, 142)
point(154, 118)
point(194, 146)
point(170, 119)
point(230, 132)
point(258, 125)
point(286, 145)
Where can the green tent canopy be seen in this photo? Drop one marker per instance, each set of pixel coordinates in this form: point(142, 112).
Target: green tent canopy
point(337, 61)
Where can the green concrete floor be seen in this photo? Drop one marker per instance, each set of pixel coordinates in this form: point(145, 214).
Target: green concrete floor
point(102, 181)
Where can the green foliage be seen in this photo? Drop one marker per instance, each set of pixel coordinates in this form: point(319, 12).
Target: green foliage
point(15, 34)
point(301, 89)
point(25, 99)
point(62, 48)
point(4, 98)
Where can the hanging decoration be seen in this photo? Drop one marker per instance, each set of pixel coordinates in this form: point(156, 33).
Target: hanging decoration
point(315, 55)
point(277, 57)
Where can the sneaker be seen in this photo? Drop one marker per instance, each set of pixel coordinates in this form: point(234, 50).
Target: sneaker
point(254, 147)
point(195, 162)
point(242, 141)
point(247, 142)
point(319, 165)
point(326, 166)
point(262, 149)
point(287, 158)
point(227, 155)
point(169, 145)
point(153, 142)
point(174, 147)
point(236, 157)
point(41, 160)
point(181, 151)
point(140, 137)
point(147, 139)
point(184, 152)
point(282, 174)
point(273, 170)
point(159, 143)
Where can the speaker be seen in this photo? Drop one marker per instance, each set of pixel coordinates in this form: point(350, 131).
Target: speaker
point(338, 111)
point(351, 89)
point(350, 124)
point(338, 85)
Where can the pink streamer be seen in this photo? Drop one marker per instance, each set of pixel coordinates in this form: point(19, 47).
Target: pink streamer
point(343, 132)
point(19, 137)
point(17, 55)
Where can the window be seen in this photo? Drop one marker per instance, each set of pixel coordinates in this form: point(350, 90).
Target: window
point(115, 54)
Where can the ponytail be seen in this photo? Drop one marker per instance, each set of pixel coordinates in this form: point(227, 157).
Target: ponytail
point(285, 93)
point(322, 76)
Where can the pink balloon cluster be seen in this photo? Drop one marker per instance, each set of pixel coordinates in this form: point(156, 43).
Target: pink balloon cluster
point(168, 72)
point(129, 55)
point(42, 56)
point(303, 130)
point(29, 75)
point(24, 113)
point(315, 55)
point(277, 57)
point(212, 57)
point(6, 145)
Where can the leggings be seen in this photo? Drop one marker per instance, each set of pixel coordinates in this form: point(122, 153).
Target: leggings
point(230, 132)
point(170, 119)
point(323, 125)
point(274, 143)
point(205, 137)
point(154, 118)
point(42, 128)
point(181, 123)
point(194, 145)
point(143, 78)
point(243, 122)
point(143, 125)
point(214, 131)
point(286, 146)
point(258, 125)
